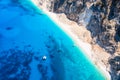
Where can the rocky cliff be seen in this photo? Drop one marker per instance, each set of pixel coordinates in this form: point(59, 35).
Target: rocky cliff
point(100, 17)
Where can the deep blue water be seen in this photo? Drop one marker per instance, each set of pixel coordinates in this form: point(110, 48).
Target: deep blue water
point(27, 35)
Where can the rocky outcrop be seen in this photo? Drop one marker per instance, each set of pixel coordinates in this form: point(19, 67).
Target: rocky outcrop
point(100, 17)
point(115, 67)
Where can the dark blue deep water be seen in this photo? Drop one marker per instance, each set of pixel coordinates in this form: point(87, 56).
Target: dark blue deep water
point(33, 47)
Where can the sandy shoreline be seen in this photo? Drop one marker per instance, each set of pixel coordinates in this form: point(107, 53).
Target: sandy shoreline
point(86, 48)
point(76, 33)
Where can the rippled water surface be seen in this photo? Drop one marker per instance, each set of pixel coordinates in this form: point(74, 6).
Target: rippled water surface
point(33, 47)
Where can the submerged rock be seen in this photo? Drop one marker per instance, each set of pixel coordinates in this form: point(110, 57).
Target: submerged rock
point(14, 64)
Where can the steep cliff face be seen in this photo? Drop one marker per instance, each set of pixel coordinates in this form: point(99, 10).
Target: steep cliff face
point(100, 17)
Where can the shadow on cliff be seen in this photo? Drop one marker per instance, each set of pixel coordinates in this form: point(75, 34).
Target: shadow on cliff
point(115, 67)
point(117, 35)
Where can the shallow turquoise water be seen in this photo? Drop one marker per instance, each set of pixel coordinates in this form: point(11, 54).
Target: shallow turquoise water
point(27, 30)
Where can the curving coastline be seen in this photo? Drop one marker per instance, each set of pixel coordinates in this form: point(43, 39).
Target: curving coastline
point(49, 39)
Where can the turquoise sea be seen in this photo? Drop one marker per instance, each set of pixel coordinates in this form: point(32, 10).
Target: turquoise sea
point(33, 47)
